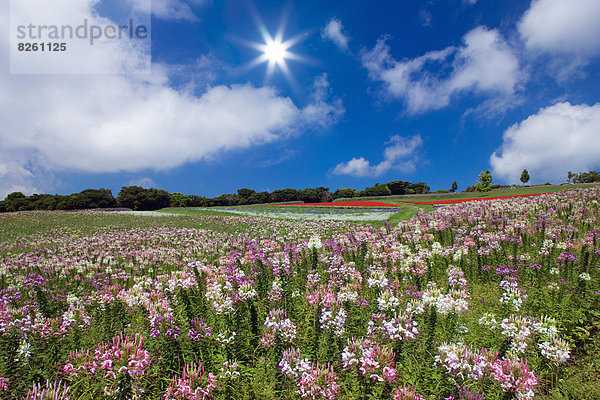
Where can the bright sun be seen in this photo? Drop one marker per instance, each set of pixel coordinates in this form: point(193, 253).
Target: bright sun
point(275, 52)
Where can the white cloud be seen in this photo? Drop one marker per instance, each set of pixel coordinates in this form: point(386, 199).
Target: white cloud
point(557, 139)
point(401, 153)
point(15, 178)
point(320, 112)
point(425, 17)
point(114, 123)
point(355, 167)
point(562, 26)
point(334, 31)
point(144, 182)
point(484, 65)
point(169, 9)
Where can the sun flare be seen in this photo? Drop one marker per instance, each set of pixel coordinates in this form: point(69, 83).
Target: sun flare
point(275, 52)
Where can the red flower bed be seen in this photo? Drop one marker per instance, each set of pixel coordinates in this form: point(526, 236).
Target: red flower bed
point(456, 201)
point(367, 203)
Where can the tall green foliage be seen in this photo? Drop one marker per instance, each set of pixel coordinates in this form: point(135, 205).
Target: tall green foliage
point(454, 187)
point(138, 198)
point(485, 181)
point(524, 176)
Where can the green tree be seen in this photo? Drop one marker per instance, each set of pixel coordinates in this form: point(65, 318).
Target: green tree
point(43, 202)
point(128, 195)
point(245, 193)
point(378, 190)
point(93, 198)
point(398, 187)
point(485, 181)
point(259, 198)
point(324, 194)
point(138, 198)
point(14, 196)
point(226, 200)
point(524, 176)
point(155, 199)
point(587, 177)
point(66, 202)
point(454, 187)
point(419, 187)
point(177, 200)
point(284, 195)
point(17, 201)
point(308, 195)
point(191, 200)
point(345, 193)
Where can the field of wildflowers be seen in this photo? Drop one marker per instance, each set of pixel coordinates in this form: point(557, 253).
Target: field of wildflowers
point(484, 300)
point(316, 212)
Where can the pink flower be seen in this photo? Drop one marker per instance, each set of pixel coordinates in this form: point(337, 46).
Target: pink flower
point(514, 376)
point(193, 384)
point(407, 393)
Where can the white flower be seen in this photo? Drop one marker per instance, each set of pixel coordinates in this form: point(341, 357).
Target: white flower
point(23, 352)
point(314, 243)
point(246, 291)
point(387, 301)
point(585, 276)
point(329, 322)
point(222, 337)
point(546, 326)
point(489, 320)
point(377, 279)
point(555, 350)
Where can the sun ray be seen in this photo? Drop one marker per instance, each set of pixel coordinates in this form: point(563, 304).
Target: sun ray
point(275, 50)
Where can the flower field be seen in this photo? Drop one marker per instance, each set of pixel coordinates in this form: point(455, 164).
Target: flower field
point(362, 203)
point(480, 300)
point(374, 211)
point(457, 201)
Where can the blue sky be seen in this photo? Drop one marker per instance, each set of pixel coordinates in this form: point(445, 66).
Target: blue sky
point(430, 91)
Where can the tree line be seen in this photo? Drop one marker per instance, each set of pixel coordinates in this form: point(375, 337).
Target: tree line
point(584, 177)
point(138, 198)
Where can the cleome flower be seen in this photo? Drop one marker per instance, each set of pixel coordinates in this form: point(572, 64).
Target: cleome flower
point(400, 326)
point(193, 384)
point(371, 359)
point(278, 325)
point(555, 350)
